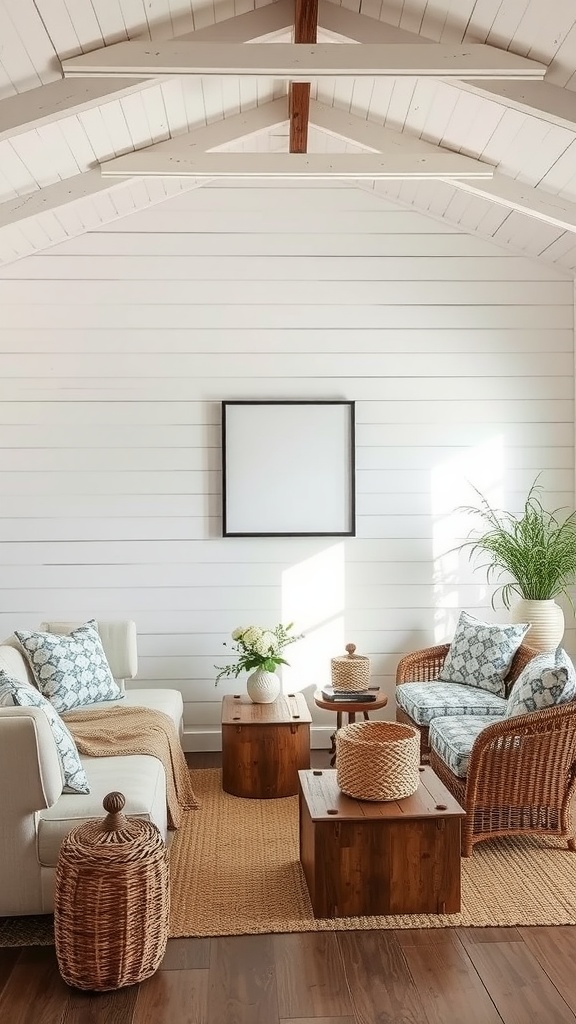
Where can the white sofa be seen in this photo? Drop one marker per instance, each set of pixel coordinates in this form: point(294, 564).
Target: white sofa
point(35, 814)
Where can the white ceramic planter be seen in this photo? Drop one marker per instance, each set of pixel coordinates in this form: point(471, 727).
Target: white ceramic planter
point(263, 687)
point(547, 618)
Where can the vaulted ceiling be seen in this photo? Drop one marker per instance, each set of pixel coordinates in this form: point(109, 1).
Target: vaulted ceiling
point(478, 129)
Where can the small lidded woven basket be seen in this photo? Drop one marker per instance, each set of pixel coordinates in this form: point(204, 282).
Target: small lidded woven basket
point(350, 672)
point(378, 760)
point(111, 901)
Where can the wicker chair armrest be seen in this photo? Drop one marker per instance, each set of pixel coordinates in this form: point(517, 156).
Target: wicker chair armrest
point(519, 760)
point(422, 666)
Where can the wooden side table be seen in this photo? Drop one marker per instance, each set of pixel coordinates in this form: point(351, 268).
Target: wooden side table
point(350, 708)
point(392, 857)
point(264, 746)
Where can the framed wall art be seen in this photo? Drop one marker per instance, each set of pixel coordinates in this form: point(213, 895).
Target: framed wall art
point(288, 469)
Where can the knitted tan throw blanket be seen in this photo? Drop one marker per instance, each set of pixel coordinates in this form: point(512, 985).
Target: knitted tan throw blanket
point(117, 731)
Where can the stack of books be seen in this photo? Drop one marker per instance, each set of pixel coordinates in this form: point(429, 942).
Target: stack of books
point(348, 696)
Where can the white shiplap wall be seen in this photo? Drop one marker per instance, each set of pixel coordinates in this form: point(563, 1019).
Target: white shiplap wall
point(117, 347)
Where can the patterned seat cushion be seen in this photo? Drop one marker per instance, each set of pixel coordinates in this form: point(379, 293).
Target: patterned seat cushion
point(481, 653)
point(453, 738)
point(426, 701)
point(71, 669)
point(547, 680)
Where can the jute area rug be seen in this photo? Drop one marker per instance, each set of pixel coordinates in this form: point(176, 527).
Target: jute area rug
point(235, 871)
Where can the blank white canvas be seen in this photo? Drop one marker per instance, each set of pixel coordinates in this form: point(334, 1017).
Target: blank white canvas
point(289, 468)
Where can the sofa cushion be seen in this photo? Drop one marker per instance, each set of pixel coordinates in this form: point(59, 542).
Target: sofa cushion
point(453, 738)
point(71, 670)
point(481, 653)
point(169, 701)
point(426, 701)
point(75, 779)
point(547, 680)
point(140, 778)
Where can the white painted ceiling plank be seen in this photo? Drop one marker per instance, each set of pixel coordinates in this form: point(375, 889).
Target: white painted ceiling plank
point(28, 24)
point(78, 142)
point(506, 22)
point(400, 100)
point(364, 28)
point(110, 20)
point(58, 24)
point(274, 17)
point(366, 133)
point(54, 142)
point(134, 14)
point(15, 59)
point(287, 60)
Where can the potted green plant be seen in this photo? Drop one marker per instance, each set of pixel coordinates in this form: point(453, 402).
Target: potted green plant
point(531, 557)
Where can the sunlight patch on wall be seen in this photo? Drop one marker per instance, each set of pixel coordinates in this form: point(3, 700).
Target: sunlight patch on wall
point(452, 486)
point(313, 597)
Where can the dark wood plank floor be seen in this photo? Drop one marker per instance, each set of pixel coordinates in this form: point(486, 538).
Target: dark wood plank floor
point(432, 976)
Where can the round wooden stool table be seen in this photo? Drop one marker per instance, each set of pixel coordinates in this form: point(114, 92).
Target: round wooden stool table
point(351, 708)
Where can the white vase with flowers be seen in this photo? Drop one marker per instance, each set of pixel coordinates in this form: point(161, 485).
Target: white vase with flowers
point(258, 651)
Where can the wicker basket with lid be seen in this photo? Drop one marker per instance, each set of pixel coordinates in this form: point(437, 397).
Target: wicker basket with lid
point(351, 671)
point(111, 901)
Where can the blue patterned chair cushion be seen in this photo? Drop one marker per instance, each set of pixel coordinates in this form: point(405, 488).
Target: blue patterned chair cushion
point(481, 653)
point(425, 701)
point(75, 779)
point(547, 680)
point(70, 670)
point(453, 738)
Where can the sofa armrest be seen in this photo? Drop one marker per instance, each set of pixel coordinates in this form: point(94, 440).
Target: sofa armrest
point(422, 666)
point(30, 770)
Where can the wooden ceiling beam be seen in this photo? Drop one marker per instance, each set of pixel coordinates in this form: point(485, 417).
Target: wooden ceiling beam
point(301, 61)
point(305, 31)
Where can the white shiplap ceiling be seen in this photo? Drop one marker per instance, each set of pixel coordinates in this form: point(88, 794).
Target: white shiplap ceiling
point(55, 132)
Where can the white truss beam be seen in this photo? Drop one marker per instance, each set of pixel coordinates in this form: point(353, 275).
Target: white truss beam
point(523, 198)
point(301, 61)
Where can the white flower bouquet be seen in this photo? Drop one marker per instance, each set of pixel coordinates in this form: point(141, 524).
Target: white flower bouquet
point(258, 647)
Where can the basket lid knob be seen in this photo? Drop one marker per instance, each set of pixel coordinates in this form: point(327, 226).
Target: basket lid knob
point(114, 820)
point(351, 648)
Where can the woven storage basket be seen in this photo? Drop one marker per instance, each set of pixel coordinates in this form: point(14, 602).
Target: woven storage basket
point(378, 760)
point(112, 901)
point(350, 672)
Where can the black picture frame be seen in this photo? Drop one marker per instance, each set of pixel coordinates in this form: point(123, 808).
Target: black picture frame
point(288, 468)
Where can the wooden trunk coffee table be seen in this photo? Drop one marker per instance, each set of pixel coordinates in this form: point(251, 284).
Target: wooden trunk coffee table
point(264, 745)
point(395, 857)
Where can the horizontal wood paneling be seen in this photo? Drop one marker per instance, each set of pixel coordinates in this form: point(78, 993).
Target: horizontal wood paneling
point(117, 348)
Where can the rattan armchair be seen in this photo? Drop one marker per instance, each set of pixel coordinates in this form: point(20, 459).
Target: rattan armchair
point(521, 778)
point(424, 667)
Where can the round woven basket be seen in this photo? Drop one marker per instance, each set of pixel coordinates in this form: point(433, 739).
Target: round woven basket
point(350, 672)
point(111, 902)
point(378, 760)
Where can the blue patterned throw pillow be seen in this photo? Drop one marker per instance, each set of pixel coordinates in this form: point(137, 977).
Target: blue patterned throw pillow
point(481, 653)
point(549, 679)
point(70, 670)
point(75, 778)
